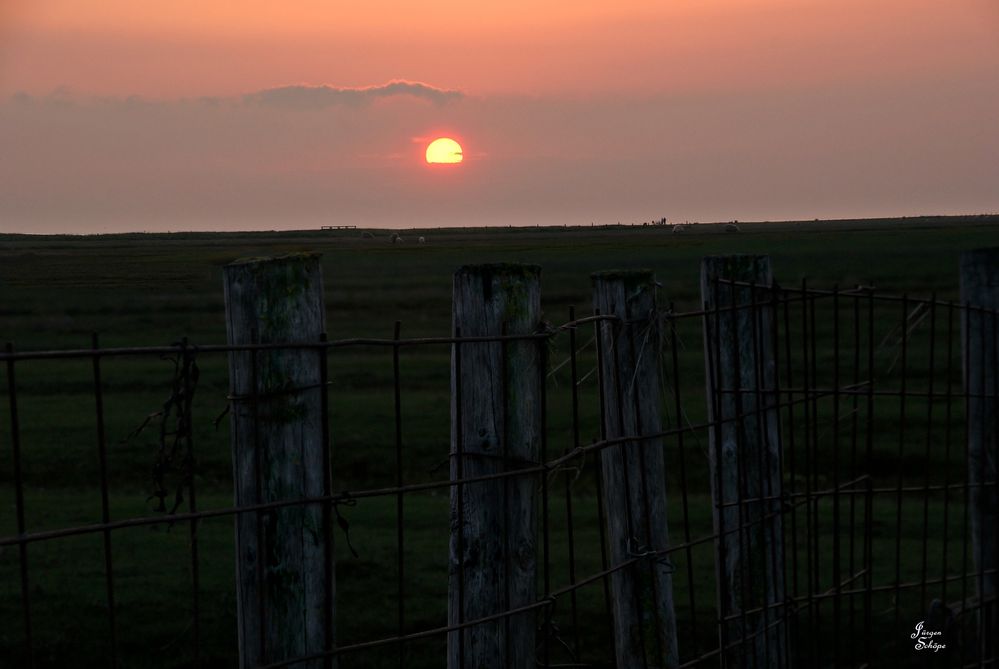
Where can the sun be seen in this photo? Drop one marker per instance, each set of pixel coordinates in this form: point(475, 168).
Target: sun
point(444, 150)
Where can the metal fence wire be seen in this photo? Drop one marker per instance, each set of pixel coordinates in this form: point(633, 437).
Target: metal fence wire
point(870, 516)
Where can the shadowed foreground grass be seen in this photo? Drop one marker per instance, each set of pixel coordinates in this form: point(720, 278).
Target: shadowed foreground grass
point(154, 289)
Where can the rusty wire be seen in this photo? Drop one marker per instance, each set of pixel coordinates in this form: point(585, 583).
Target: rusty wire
point(175, 466)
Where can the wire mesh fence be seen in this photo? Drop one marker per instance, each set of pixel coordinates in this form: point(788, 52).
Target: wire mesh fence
point(869, 517)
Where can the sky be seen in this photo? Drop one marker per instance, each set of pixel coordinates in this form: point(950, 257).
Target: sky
point(175, 115)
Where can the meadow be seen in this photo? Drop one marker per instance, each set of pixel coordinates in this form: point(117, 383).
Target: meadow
point(155, 289)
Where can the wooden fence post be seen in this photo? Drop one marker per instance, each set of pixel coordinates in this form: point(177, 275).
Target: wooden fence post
point(496, 422)
point(980, 290)
point(744, 454)
point(284, 556)
point(633, 472)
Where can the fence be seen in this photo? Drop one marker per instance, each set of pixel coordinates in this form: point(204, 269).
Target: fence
point(825, 470)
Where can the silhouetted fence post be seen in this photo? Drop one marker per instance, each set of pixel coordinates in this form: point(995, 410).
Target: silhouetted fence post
point(284, 556)
point(980, 291)
point(744, 455)
point(496, 422)
point(633, 472)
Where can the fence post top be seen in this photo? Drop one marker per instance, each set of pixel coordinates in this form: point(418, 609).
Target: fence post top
point(985, 251)
point(505, 270)
point(976, 256)
point(628, 276)
point(736, 258)
point(287, 258)
point(979, 276)
point(737, 267)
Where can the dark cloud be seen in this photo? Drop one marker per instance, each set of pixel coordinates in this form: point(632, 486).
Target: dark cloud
point(318, 97)
point(63, 96)
point(297, 96)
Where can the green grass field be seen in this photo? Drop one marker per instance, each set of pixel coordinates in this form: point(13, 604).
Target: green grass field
point(153, 289)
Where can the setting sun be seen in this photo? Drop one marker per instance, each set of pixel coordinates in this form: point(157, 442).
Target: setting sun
point(444, 150)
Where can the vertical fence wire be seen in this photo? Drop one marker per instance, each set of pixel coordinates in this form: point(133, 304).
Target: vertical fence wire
point(836, 572)
point(869, 499)
point(459, 491)
point(990, 453)
point(400, 496)
point(899, 492)
point(774, 397)
point(966, 348)
point(22, 547)
point(818, 600)
point(504, 436)
point(809, 467)
point(188, 370)
point(329, 624)
point(105, 505)
point(948, 399)
point(980, 483)
point(855, 385)
point(573, 445)
point(792, 471)
point(931, 368)
point(713, 354)
point(546, 579)
point(679, 414)
point(258, 469)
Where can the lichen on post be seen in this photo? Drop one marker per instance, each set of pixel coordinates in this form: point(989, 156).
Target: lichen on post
point(496, 422)
point(633, 475)
point(283, 556)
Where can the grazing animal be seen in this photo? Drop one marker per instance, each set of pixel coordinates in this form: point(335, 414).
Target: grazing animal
point(422, 240)
point(396, 238)
point(731, 227)
point(677, 229)
point(367, 235)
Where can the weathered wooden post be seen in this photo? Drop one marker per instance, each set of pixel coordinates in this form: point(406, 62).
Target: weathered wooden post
point(980, 294)
point(284, 556)
point(633, 474)
point(496, 422)
point(744, 455)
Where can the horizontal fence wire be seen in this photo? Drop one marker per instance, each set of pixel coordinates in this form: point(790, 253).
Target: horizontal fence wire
point(874, 510)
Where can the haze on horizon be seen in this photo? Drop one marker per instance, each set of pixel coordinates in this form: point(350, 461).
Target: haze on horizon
point(260, 114)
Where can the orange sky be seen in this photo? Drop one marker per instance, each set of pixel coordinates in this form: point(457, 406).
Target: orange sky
point(548, 95)
point(205, 47)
